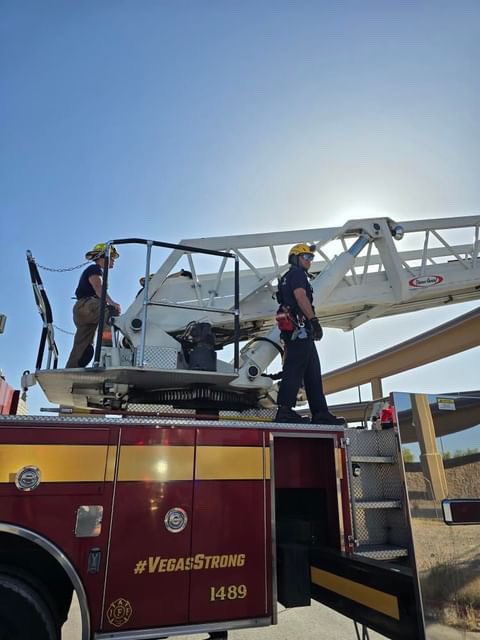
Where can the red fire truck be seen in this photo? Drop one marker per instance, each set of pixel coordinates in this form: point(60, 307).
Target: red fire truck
point(178, 506)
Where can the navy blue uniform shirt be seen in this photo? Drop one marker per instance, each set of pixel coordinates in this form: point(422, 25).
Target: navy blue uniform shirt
point(295, 278)
point(85, 289)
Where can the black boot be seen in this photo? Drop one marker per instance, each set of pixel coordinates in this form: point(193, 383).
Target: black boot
point(86, 356)
point(286, 414)
point(325, 417)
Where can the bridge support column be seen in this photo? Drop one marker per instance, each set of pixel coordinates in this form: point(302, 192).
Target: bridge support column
point(377, 391)
point(431, 460)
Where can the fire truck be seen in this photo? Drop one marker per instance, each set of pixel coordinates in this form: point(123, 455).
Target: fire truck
point(165, 496)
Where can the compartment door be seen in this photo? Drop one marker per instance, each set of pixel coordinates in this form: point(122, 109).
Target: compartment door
point(230, 578)
point(148, 568)
point(440, 443)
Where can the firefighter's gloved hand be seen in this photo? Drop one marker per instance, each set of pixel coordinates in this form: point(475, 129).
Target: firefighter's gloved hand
point(316, 329)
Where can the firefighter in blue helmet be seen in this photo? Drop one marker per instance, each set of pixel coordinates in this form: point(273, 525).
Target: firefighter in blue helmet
point(299, 329)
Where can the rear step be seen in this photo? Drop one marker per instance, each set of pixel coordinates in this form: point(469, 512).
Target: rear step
point(379, 595)
point(381, 551)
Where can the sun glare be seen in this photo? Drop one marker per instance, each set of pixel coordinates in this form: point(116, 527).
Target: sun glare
point(363, 211)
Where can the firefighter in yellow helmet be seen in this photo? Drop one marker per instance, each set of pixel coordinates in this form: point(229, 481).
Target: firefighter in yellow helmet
point(299, 329)
point(86, 310)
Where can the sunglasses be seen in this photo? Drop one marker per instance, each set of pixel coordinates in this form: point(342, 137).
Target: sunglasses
point(307, 256)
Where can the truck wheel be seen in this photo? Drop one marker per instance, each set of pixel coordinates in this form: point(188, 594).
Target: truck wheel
point(23, 613)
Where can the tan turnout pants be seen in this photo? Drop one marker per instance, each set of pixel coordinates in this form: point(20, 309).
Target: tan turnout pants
point(86, 315)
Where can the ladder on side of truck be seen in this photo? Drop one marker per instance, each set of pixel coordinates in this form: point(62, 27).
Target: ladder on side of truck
point(380, 527)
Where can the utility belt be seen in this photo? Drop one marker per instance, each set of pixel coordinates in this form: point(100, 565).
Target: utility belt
point(285, 319)
point(295, 326)
point(291, 322)
point(109, 307)
point(92, 298)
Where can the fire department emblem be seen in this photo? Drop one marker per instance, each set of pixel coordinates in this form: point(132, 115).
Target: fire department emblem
point(119, 612)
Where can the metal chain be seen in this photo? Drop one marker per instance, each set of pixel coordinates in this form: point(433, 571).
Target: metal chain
point(79, 266)
point(70, 333)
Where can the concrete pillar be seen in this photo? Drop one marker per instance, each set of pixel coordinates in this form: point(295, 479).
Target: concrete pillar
point(431, 460)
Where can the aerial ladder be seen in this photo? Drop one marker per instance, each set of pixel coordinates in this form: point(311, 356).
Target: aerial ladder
point(365, 269)
point(171, 521)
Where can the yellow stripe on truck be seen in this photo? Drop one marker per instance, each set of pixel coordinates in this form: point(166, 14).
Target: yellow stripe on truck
point(57, 462)
point(166, 463)
point(372, 598)
point(231, 463)
point(156, 463)
point(137, 463)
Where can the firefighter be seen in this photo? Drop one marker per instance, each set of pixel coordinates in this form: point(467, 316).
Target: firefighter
point(299, 329)
point(86, 311)
point(141, 282)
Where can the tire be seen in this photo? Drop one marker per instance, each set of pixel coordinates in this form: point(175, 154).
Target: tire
point(25, 577)
point(23, 613)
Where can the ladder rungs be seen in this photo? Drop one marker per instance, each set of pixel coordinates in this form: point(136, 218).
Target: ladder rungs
point(373, 459)
point(378, 504)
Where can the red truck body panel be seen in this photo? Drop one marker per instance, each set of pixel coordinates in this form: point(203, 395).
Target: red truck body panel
point(219, 567)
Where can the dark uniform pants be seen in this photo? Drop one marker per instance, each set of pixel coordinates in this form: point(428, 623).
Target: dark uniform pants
point(86, 315)
point(302, 363)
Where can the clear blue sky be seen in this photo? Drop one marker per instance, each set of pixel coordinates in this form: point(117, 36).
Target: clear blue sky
point(181, 119)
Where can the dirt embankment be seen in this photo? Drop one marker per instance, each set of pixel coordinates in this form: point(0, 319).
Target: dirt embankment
point(447, 557)
point(462, 474)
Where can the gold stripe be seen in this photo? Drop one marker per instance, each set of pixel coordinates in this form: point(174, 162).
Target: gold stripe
point(369, 597)
point(57, 462)
point(156, 463)
point(267, 462)
point(230, 463)
point(338, 463)
point(111, 457)
point(152, 463)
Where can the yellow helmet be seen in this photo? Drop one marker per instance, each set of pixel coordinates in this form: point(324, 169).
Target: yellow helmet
point(98, 251)
point(298, 249)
